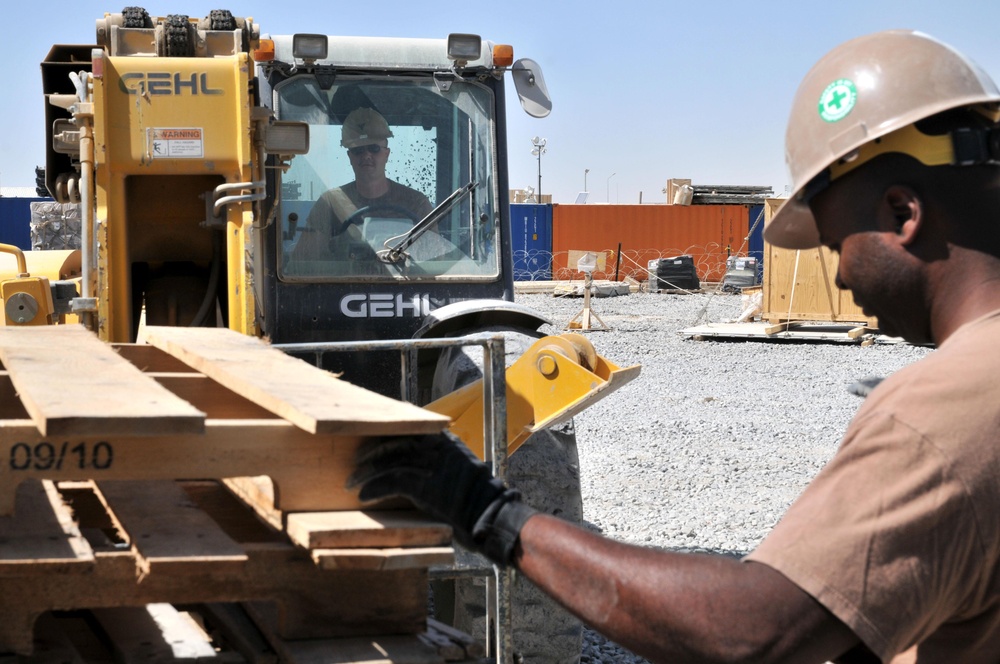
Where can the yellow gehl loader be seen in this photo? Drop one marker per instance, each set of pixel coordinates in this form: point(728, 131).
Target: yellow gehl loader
point(215, 171)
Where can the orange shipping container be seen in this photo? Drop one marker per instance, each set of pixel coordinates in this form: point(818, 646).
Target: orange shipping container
point(707, 233)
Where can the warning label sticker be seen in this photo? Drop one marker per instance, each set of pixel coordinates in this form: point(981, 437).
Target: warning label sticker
point(177, 143)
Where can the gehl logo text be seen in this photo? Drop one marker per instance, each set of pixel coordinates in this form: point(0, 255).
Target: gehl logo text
point(166, 83)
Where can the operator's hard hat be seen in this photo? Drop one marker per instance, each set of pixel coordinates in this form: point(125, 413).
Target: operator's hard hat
point(862, 100)
point(364, 126)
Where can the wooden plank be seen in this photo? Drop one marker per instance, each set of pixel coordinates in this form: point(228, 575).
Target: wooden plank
point(41, 537)
point(473, 647)
point(52, 644)
point(310, 470)
point(239, 632)
point(365, 529)
point(378, 560)
point(306, 602)
point(309, 397)
point(858, 332)
point(56, 641)
point(154, 634)
point(446, 648)
point(360, 650)
point(216, 401)
point(102, 530)
point(347, 603)
point(375, 649)
point(72, 383)
point(149, 359)
point(320, 495)
point(167, 531)
point(233, 515)
point(11, 407)
point(257, 493)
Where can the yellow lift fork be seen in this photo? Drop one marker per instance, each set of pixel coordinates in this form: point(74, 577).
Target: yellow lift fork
point(556, 378)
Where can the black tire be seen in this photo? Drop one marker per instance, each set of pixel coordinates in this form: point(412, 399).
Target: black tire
point(178, 33)
point(546, 469)
point(221, 19)
point(136, 17)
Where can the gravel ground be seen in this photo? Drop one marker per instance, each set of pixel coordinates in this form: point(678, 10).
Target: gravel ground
point(707, 448)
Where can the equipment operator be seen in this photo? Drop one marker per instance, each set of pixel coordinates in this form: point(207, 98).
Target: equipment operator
point(365, 135)
point(892, 553)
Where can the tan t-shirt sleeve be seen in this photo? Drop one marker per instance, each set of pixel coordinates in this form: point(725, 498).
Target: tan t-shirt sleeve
point(884, 537)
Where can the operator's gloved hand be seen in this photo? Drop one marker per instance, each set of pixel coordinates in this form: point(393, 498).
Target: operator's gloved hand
point(443, 478)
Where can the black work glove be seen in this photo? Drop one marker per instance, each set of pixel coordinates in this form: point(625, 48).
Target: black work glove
point(442, 477)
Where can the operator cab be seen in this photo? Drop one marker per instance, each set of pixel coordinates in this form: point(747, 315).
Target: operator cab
point(376, 270)
point(441, 146)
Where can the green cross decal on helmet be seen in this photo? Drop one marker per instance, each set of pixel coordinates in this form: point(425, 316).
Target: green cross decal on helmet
point(837, 100)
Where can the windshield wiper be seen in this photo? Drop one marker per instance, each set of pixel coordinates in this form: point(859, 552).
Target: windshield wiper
point(397, 253)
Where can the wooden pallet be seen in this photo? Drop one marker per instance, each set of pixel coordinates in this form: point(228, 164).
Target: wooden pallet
point(121, 464)
point(221, 634)
point(225, 405)
point(115, 543)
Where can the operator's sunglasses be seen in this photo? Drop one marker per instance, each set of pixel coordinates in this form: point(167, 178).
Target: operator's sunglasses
point(361, 149)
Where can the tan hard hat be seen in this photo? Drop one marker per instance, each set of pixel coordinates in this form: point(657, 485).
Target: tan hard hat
point(364, 126)
point(867, 89)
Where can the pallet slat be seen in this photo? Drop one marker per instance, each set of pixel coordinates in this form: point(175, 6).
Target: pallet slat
point(155, 633)
point(167, 530)
point(310, 470)
point(311, 398)
point(239, 631)
point(52, 644)
point(381, 560)
point(72, 383)
point(365, 529)
point(42, 536)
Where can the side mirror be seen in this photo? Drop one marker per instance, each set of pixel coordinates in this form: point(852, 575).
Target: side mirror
point(531, 88)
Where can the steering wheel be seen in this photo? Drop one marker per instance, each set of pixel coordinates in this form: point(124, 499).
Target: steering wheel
point(360, 213)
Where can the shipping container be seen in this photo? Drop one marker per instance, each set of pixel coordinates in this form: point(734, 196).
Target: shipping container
point(15, 221)
point(755, 239)
point(628, 237)
point(531, 241)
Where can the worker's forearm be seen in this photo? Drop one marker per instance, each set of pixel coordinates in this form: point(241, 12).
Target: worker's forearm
point(677, 607)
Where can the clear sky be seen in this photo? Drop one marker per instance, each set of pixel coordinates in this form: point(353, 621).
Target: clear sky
point(642, 91)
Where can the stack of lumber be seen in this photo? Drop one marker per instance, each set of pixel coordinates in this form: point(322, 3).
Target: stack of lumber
point(186, 499)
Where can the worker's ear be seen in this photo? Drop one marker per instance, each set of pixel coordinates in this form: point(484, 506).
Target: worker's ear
point(903, 212)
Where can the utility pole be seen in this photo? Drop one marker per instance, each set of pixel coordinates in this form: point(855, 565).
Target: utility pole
point(538, 149)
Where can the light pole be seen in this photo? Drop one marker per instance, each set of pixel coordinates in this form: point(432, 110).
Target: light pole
point(609, 185)
point(585, 171)
point(538, 149)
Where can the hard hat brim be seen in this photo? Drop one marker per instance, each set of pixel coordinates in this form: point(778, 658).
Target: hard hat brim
point(360, 142)
point(793, 226)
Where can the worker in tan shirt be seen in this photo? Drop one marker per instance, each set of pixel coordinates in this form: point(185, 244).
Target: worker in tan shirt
point(892, 553)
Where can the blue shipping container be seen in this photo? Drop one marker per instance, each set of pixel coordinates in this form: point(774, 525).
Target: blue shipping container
point(15, 221)
point(531, 241)
point(755, 246)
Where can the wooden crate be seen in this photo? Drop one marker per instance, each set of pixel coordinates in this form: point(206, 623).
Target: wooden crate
point(800, 286)
point(138, 475)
